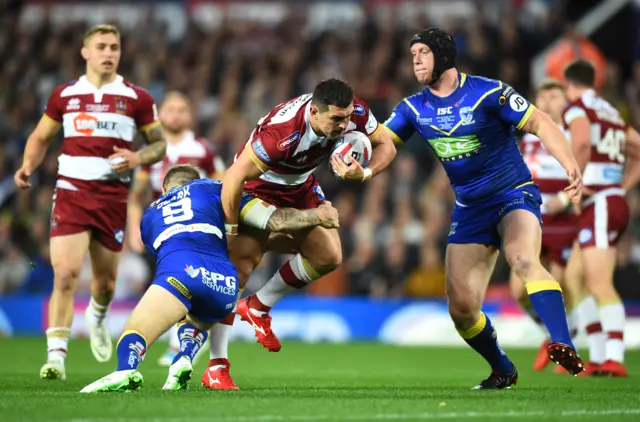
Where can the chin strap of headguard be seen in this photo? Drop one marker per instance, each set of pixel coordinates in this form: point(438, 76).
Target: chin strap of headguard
point(443, 48)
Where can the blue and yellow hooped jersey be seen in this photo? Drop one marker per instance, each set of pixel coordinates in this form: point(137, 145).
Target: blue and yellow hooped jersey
point(472, 133)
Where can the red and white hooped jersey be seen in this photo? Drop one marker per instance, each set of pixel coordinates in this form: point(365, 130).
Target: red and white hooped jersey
point(287, 149)
point(94, 121)
point(547, 172)
point(608, 135)
point(190, 150)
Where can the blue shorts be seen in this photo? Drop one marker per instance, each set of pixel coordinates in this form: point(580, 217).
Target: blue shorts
point(205, 284)
point(478, 223)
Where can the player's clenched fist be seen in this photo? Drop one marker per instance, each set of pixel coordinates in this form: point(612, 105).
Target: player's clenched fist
point(21, 178)
point(574, 190)
point(328, 216)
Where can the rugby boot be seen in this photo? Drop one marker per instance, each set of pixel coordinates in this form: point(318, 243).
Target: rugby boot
point(261, 325)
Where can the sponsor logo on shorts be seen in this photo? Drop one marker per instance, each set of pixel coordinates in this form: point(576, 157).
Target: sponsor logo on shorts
point(452, 228)
point(179, 287)
point(504, 209)
point(214, 280)
point(118, 235)
point(585, 235)
point(288, 141)
point(358, 109)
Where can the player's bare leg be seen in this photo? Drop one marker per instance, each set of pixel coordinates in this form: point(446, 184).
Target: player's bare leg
point(67, 254)
point(468, 270)
point(586, 310)
point(247, 251)
point(599, 265)
point(521, 234)
point(320, 253)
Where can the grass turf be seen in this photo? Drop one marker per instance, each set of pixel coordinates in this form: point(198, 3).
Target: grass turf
point(321, 382)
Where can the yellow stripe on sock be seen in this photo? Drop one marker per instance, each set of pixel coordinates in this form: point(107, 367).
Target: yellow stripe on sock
point(608, 302)
point(541, 286)
point(313, 274)
point(132, 332)
point(476, 329)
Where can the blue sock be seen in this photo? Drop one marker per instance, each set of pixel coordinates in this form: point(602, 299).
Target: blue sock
point(191, 340)
point(546, 298)
point(482, 337)
point(130, 350)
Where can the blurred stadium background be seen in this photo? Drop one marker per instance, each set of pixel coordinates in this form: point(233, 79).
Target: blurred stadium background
point(236, 60)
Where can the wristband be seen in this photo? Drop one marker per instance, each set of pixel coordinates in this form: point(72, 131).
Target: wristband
point(368, 173)
point(231, 229)
point(563, 198)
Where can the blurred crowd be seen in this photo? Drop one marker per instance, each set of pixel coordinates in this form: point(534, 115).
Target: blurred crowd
point(393, 228)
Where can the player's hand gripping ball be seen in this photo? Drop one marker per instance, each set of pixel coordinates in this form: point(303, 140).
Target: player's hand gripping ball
point(354, 151)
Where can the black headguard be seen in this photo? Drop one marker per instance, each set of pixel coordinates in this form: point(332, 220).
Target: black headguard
point(443, 47)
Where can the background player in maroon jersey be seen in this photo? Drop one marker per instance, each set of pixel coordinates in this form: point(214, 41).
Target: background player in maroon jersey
point(99, 115)
point(600, 141)
point(277, 163)
point(183, 147)
point(560, 222)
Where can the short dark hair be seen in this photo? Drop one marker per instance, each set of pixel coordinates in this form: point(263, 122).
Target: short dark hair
point(180, 174)
point(332, 91)
point(580, 72)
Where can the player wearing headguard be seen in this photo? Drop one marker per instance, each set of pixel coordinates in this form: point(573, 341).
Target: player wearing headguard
point(469, 122)
point(560, 223)
point(601, 141)
point(195, 282)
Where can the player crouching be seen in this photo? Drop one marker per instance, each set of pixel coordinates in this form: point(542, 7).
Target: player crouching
point(195, 281)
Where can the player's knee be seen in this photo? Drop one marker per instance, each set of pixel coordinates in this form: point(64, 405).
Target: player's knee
point(464, 311)
point(244, 268)
point(66, 278)
point(326, 261)
point(521, 263)
point(104, 284)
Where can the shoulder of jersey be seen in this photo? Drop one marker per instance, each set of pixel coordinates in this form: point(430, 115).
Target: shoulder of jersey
point(138, 89)
point(481, 83)
point(205, 143)
point(58, 90)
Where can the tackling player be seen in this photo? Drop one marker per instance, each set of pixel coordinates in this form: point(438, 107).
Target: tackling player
point(559, 221)
point(469, 123)
point(277, 163)
point(99, 114)
point(182, 147)
point(600, 140)
point(194, 277)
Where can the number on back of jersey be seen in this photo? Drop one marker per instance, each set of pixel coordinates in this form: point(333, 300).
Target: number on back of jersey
point(612, 145)
point(177, 211)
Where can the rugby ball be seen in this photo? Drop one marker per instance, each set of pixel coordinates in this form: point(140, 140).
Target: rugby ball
point(354, 144)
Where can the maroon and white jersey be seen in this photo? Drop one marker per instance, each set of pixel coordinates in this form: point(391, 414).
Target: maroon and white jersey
point(286, 148)
point(608, 134)
point(190, 150)
point(94, 121)
point(547, 172)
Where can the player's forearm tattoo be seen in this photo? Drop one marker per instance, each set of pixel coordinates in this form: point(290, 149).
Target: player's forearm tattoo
point(292, 219)
point(157, 147)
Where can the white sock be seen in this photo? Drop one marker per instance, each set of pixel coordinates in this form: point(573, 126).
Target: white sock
point(219, 340)
point(589, 317)
point(96, 313)
point(57, 341)
point(293, 275)
point(572, 320)
point(613, 316)
point(174, 341)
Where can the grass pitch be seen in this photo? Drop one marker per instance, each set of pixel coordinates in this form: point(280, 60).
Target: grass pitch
point(309, 383)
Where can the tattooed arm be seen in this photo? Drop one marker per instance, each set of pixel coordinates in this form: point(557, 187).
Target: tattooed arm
point(156, 147)
point(288, 219)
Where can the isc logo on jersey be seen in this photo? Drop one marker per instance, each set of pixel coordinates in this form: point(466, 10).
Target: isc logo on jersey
point(211, 279)
point(87, 124)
